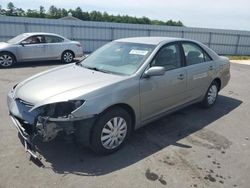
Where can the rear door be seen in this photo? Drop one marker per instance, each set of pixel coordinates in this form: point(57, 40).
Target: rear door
point(200, 69)
point(158, 94)
point(53, 47)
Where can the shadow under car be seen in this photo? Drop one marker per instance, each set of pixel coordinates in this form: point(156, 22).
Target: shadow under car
point(68, 157)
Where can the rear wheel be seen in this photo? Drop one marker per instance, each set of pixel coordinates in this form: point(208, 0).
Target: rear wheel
point(67, 57)
point(211, 95)
point(111, 131)
point(6, 59)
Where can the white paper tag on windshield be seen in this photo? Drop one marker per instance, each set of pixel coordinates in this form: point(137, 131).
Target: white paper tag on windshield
point(138, 52)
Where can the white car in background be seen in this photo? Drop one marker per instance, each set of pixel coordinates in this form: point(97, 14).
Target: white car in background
point(38, 47)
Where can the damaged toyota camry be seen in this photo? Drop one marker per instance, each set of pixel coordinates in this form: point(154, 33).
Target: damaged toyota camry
point(120, 87)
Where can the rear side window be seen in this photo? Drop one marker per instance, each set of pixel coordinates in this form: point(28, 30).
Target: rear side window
point(194, 54)
point(168, 57)
point(53, 39)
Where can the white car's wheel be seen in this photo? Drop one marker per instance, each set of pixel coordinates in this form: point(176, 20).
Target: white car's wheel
point(211, 95)
point(6, 59)
point(67, 57)
point(111, 131)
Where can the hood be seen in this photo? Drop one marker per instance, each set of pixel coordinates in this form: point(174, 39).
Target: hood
point(4, 45)
point(62, 84)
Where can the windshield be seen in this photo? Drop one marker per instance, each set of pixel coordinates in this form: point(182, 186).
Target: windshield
point(118, 57)
point(17, 39)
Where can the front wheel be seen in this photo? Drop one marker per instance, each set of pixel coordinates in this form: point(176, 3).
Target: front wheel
point(211, 95)
point(6, 59)
point(111, 131)
point(67, 57)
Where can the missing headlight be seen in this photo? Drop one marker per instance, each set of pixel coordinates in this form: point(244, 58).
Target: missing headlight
point(62, 109)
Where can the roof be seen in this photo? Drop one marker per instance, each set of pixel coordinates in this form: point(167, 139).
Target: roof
point(40, 33)
point(149, 40)
point(70, 17)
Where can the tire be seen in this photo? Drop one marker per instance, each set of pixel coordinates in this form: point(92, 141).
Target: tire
point(67, 57)
point(107, 138)
point(7, 59)
point(211, 95)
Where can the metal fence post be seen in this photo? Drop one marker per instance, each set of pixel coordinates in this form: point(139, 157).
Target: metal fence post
point(182, 34)
point(210, 39)
point(26, 27)
point(112, 33)
point(237, 45)
point(72, 32)
point(149, 32)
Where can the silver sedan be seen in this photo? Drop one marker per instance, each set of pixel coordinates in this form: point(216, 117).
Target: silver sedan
point(38, 47)
point(121, 87)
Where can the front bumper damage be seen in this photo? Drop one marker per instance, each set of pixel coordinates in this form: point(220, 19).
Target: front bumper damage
point(31, 124)
point(28, 140)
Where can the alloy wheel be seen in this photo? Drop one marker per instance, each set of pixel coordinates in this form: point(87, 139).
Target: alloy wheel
point(6, 60)
point(67, 57)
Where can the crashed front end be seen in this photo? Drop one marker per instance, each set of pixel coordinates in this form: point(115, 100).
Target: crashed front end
point(48, 121)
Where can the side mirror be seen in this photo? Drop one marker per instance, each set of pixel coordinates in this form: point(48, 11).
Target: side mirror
point(23, 43)
point(154, 71)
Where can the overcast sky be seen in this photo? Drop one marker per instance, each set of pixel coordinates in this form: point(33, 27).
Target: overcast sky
point(224, 14)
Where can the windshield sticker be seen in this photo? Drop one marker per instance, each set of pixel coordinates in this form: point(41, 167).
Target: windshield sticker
point(138, 52)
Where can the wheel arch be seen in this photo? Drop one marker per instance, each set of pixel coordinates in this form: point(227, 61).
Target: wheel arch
point(218, 81)
point(5, 51)
point(126, 107)
point(69, 51)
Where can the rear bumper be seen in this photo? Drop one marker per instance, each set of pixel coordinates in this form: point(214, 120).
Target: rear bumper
point(225, 79)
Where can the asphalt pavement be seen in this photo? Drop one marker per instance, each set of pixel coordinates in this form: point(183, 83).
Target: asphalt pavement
point(193, 147)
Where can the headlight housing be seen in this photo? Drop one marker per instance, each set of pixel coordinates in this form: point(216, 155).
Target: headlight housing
point(62, 109)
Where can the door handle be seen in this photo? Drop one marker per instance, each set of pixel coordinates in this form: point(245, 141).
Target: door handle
point(211, 67)
point(180, 77)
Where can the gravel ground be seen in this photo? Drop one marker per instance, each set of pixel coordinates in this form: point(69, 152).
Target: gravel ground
point(190, 148)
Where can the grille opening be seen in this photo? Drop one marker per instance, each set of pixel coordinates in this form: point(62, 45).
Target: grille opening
point(27, 127)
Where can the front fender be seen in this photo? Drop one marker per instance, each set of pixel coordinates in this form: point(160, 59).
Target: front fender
point(119, 93)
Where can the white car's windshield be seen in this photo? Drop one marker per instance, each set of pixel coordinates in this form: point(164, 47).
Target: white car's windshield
point(17, 39)
point(119, 57)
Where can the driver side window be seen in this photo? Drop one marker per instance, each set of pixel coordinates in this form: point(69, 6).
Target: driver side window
point(34, 40)
point(168, 57)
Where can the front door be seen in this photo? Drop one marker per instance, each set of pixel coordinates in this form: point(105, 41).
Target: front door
point(33, 48)
point(159, 94)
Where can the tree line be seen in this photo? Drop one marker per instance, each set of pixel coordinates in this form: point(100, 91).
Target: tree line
point(55, 13)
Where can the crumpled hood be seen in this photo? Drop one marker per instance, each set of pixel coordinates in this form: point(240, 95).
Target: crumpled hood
point(62, 83)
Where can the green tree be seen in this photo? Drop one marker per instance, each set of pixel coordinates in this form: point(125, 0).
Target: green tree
point(77, 13)
point(55, 13)
point(32, 13)
point(64, 12)
point(42, 12)
point(85, 16)
point(2, 11)
point(10, 9)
